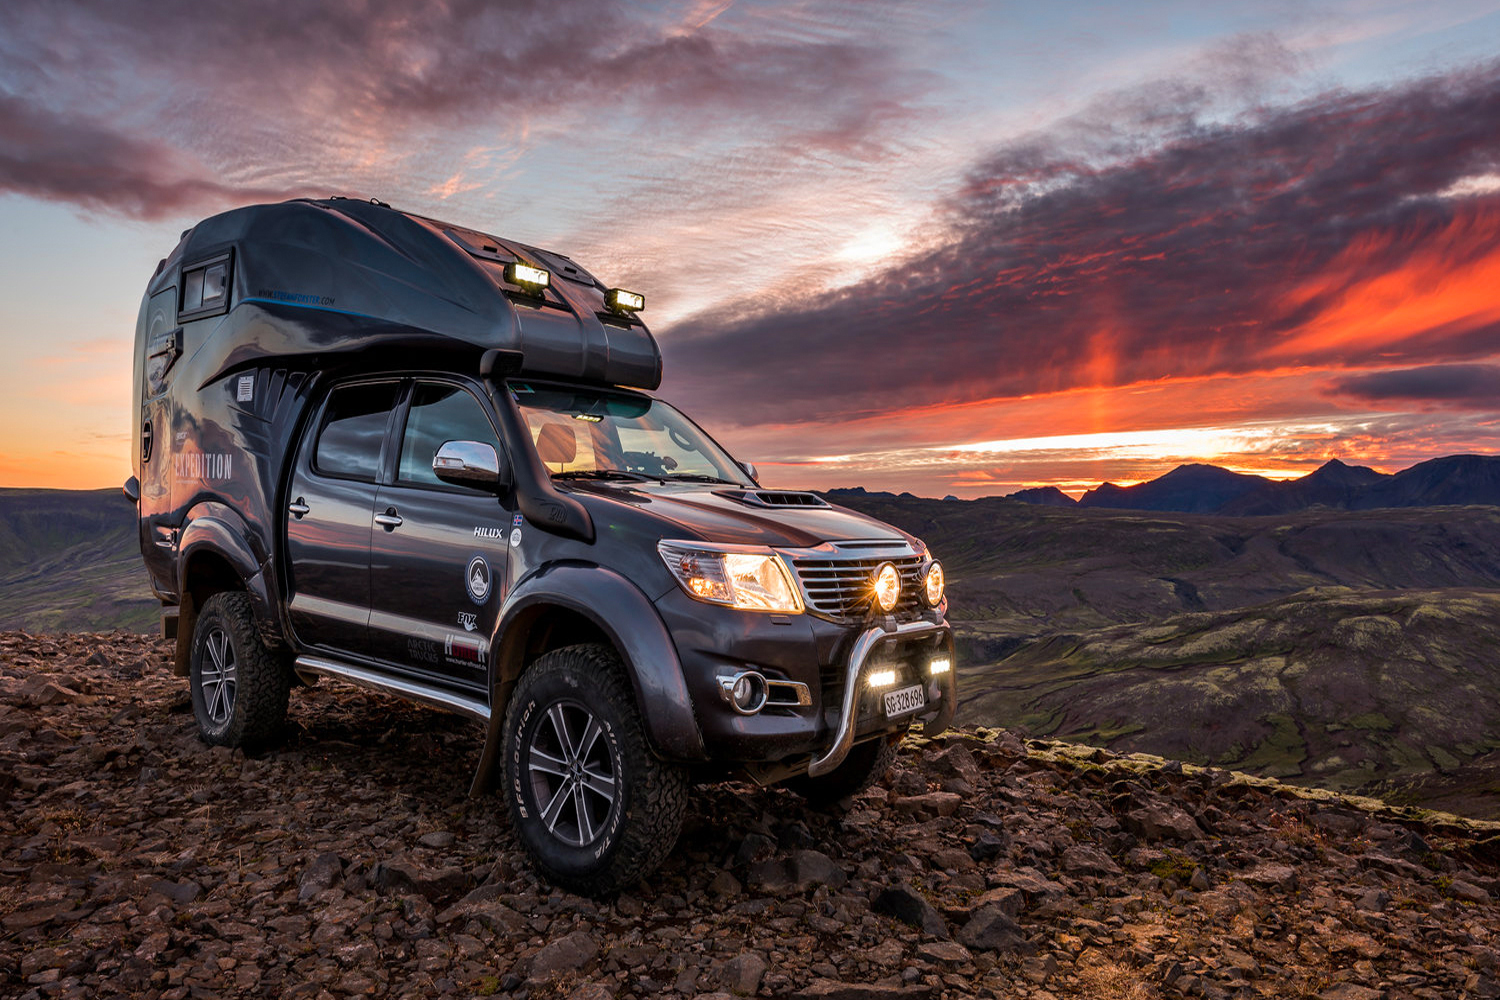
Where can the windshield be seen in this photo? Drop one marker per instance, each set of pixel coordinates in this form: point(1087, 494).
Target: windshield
point(597, 434)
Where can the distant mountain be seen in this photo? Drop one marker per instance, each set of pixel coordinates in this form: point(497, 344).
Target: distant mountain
point(1044, 496)
point(1456, 480)
point(1333, 484)
point(1189, 489)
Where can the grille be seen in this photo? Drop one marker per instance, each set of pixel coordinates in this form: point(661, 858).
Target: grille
point(840, 587)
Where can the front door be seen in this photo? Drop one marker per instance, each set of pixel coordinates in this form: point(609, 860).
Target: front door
point(438, 558)
point(330, 508)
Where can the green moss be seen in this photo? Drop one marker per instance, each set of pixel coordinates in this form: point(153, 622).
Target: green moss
point(1371, 722)
point(1175, 866)
point(1443, 758)
point(1282, 753)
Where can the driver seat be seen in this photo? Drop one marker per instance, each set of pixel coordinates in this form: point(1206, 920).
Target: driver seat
point(556, 444)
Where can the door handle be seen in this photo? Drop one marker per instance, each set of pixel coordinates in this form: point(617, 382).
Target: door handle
point(390, 520)
point(297, 508)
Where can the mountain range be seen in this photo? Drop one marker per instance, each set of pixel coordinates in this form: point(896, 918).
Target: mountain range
point(1207, 489)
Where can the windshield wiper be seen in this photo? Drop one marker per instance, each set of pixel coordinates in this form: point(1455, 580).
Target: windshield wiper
point(698, 477)
point(604, 474)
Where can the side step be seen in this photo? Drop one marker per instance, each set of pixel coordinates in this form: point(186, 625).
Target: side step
point(448, 701)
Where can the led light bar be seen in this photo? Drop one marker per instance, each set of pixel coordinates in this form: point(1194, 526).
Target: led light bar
point(939, 666)
point(882, 678)
point(533, 279)
point(621, 301)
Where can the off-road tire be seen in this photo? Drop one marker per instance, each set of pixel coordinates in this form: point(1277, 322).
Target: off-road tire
point(260, 683)
point(865, 765)
point(638, 828)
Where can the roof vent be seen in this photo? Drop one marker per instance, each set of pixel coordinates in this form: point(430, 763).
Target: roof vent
point(774, 498)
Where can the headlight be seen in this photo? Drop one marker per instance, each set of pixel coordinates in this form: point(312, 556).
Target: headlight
point(747, 577)
point(933, 584)
point(887, 583)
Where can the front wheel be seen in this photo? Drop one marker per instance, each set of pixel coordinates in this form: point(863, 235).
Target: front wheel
point(239, 686)
point(593, 806)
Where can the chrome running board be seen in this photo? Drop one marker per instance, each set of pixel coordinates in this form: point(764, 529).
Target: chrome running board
point(448, 701)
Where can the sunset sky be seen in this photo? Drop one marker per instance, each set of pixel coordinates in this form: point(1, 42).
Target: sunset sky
point(951, 248)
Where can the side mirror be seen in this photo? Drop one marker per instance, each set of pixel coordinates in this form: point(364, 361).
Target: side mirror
point(750, 471)
point(470, 463)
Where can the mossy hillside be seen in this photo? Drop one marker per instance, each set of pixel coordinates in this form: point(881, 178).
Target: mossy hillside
point(1346, 689)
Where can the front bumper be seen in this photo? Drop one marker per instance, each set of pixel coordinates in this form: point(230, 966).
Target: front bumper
point(944, 686)
point(833, 660)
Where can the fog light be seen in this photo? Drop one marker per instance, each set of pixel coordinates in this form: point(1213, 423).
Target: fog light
point(882, 678)
point(933, 584)
point(939, 666)
point(887, 584)
point(745, 692)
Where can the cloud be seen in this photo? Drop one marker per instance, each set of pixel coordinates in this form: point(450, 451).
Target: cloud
point(1467, 386)
point(185, 94)
point(89, 164)
point(1282, 238)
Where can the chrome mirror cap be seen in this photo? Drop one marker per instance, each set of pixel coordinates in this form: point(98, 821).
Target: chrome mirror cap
point(468, 463)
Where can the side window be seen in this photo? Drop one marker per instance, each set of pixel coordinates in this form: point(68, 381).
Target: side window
point(353, 430)
point(440, 413)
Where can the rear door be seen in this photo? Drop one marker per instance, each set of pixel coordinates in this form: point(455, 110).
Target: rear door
point(331, 506)
point(438, 559)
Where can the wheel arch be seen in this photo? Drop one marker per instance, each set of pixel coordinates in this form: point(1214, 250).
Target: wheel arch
point(213, 556)
point(565, 605)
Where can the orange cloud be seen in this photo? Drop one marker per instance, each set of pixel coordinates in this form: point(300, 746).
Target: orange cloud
point(1441, 286)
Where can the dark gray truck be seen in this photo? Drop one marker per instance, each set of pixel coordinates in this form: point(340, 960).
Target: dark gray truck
point(378, 447)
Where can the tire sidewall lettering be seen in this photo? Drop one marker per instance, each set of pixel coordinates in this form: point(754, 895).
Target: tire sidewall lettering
point(528, 716)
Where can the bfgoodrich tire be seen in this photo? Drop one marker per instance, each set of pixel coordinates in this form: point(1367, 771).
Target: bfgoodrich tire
point(239, 687)
point(866, 763)
point(590, 802)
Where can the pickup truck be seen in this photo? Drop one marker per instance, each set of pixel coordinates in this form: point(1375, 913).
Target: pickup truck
point(416, 457)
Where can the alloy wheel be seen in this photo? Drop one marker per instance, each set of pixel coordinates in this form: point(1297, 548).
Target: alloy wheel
point(572, 774)
point(217, 676)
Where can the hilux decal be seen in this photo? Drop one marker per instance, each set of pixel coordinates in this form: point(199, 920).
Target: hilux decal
point(482, 532)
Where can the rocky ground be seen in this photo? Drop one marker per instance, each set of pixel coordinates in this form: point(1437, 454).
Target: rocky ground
point(136, 861)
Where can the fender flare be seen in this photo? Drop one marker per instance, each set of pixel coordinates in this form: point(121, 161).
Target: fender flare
point(638, 634)
point(215, 530)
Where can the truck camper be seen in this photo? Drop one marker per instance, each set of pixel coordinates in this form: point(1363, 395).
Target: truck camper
point(419, 458)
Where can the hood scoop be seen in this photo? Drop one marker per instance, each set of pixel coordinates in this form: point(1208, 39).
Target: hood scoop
point(773, 498)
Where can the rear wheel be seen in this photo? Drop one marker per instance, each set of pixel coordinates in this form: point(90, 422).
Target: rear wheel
point(591, 804)
point(239, 687)
point(865, 765)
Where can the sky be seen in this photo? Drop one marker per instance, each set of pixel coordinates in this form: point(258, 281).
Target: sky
point(940, 247)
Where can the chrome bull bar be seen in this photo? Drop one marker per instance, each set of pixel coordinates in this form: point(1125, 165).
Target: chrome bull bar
point(866, 644)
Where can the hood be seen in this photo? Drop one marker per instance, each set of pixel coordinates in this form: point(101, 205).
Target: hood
point(714, 514)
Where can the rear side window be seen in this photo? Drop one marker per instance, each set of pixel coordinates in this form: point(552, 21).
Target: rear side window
point(353, 431)
point(440, 413)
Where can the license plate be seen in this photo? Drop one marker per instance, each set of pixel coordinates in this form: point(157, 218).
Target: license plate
point(905, 701)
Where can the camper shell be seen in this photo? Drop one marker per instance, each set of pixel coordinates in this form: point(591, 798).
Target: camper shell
point(475, 594)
